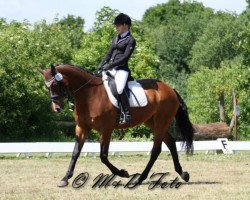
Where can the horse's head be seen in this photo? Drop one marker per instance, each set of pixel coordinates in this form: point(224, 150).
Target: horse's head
point(55, 83)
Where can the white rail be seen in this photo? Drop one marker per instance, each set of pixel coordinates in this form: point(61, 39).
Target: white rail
point(67, 147)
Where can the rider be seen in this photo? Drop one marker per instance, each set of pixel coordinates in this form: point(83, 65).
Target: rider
point(116, 61)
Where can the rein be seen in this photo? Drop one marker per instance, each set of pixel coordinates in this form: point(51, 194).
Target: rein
point(85, 84)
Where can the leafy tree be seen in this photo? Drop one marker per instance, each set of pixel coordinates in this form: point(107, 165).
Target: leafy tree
point(94, 46)
point(2, 22)
point(74, 28)
point(161, 14)
point(244, 43)
point(248, 2)
point(24, 102)
point(172, 29)
point(217, 43)
point(205, 87)
point(105, 16)
point(95, 43)
point(244, 83)
point(49, 44)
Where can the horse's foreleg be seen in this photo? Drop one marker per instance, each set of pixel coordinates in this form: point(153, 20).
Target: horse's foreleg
point(80, 138)
point(105, 141)
point(170, 142)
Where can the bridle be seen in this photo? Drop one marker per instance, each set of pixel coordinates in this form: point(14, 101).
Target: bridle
point(62, 91)
point(58, 77)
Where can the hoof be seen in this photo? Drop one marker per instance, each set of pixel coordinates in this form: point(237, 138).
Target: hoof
point(185, 176)
point(63, 183)
point(138, 182)
point(124, 173)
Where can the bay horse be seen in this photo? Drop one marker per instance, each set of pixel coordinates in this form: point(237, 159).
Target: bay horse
point(93, 110)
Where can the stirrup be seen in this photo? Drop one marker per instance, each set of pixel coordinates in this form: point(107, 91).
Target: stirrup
point(125, 118)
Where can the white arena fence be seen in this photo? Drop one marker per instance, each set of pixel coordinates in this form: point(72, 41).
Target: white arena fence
point(26, 148)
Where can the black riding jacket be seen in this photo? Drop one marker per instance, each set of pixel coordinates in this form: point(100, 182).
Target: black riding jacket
point(120, 52)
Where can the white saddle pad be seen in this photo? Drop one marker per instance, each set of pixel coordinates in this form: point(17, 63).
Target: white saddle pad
point(134, 86)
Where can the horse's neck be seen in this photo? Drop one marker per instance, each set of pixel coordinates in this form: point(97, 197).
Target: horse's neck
point(78, 77)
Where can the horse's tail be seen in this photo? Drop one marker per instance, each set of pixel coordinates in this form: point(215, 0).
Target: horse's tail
point(184, 125)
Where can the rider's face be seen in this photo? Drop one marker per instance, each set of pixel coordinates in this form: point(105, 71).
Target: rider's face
point(121, 28)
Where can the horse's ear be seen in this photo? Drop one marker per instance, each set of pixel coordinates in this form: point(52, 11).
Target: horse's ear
point(40, 70)
point(53, 70)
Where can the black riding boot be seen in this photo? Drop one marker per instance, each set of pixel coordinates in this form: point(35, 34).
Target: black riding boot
point(125, 113)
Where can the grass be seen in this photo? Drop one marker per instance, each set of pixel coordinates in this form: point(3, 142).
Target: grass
point(213, 176)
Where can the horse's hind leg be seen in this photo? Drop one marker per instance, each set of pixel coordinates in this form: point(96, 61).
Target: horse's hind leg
point(155, 152)
point(105, 141)
point(170, 142)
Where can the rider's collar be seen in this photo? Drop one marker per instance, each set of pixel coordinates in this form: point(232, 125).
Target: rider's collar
point(124, 34)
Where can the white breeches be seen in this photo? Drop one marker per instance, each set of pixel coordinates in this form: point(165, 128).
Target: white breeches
point(121, 77)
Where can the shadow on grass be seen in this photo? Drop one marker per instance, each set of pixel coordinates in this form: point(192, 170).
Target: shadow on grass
point(191, 183)
point(203, 183)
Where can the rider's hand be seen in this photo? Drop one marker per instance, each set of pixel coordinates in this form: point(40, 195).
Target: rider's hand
point(98, 72)
point(106, 67)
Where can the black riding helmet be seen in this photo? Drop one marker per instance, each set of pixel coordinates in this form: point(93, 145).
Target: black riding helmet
point(122, 19)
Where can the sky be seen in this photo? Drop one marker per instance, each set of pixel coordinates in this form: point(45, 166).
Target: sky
point(36, 10)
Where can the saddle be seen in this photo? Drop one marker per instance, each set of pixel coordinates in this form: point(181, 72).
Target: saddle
point(133, 89)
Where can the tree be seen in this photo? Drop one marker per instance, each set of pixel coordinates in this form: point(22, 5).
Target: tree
point(206, 85)
point(244, 43)
point(217, 43)
point(24, 102)
point(244, 80)
point(105, 16)
point(161, 14)
point(94, 45)
point(74, 28)
point(171, 30)
point(2, 22)
point(248, 2)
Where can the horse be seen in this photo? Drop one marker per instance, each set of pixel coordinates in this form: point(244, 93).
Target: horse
point(93, 110)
